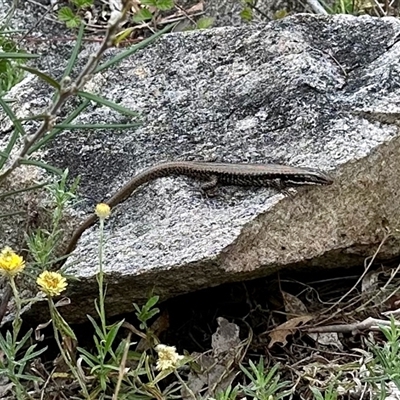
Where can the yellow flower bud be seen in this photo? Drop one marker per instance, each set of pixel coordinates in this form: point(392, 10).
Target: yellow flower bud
point(103, 210)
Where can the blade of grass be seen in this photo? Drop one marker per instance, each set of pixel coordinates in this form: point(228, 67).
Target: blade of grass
point(72, 59)
point(108, 103)
point(22, 56)
point(42, 142)
point(43, 165)
point(97, 126)
point(75, 52)
point(12, 214)
point(5, 195)
point(132, 50)
point(18, 129)
point(41, 75)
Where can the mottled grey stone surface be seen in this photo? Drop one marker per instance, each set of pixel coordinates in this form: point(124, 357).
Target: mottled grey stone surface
point(301, 91)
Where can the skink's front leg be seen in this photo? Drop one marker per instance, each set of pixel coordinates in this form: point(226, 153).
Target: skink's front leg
point(279, 185)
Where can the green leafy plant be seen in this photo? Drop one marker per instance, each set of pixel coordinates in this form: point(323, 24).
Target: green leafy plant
point(205, 23)
point(264, 385)
point(104, 364)
point(67, 15)
point(105, 361)
point(162, 5)
point(387, 357)
point(343, 7)
point(247, 10)
point(147, 311)
point(82, 3)
point(70, 15)
point(151, 8)
point(329, 394)
point(10, 58)
point(43, 243)
point(229, 393)
point(15, 359)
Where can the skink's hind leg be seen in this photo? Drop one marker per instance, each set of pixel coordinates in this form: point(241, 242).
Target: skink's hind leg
point(209, 187)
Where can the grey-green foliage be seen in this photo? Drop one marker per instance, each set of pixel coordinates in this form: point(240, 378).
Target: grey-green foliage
point(16, 356)
point(329, 394)
point(42, 242)
point(264, 385)
point(387, 356)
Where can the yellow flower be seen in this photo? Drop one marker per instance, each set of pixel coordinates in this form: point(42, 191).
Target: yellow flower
point(10, 263)
point(168, 358)
point(103, 210)
point(51, 283)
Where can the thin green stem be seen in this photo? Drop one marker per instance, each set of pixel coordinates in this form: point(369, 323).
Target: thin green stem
point(64, 354)
point(18, 306)
point(184, 384)
point(100, 279)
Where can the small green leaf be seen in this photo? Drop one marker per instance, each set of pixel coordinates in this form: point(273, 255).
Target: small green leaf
point(280, 14)
point(42, 75)
point(90, 359)
point(97, 328)
point(65, 14)
point(164, 5)
point(74, 23)
point(247, 14)
point(152, 301)
point(111, 335)
point(62, 325)
point(152, 3)
point(121, 36)
point(75, 53)
point(151, 313)
point(13, 118)
point(82, 3)
point(205, 22)
point(30, 354)
point(137, 308)
point(142, 15)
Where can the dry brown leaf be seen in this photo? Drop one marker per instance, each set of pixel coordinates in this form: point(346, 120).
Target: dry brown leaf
point(199, 7)
point(293, 305)
point(281, 332)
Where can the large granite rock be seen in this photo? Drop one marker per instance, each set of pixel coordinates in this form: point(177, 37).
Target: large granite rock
point(310, 91)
